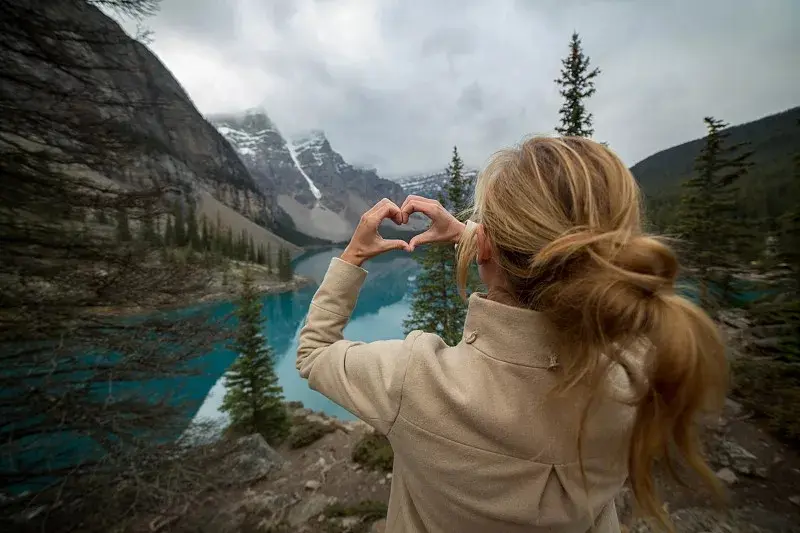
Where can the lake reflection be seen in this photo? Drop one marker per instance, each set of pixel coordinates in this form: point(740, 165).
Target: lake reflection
point(382, 306)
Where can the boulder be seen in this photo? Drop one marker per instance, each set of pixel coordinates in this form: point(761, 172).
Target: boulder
point(249, 460)
point(308, 508)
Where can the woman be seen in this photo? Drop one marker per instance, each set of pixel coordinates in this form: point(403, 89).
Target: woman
point(578, 369)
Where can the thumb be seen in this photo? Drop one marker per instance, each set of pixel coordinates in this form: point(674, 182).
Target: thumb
point(394, 244)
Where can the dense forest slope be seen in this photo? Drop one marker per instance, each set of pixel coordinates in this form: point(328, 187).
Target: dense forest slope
point(768, 190)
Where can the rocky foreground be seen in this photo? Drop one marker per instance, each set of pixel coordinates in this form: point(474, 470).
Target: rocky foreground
point(327, 485)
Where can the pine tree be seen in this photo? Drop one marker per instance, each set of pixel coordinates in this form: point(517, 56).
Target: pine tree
point(101, 216)
point(228, 247)
point(205, 235)
point(251, 251)
point(777, 314)
point(269, 258)
point(577, 84)
point(169, 233)
point(192, 234)
point(708, 215)
point(180, 226)
point(260, 259)
point(437, 306)
point(147, 231)
point(253, 397)
point(123, 227)
point(285, 271)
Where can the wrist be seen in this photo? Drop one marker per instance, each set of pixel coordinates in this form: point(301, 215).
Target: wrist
point(459, 232)
point(348, 256)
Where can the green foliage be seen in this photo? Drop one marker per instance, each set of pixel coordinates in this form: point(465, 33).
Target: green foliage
point(577, 84)
point(253, 397)
point(269, 258)
point(436, 306)
point(285, 269)
point(169, 233)
point(368, 510)
point(307, 432)
point(771, 389)
point(192, 233)
point(374, 451)
point(123, 227)
point(180, 226)
point(205, 234)
point(708, 218)
point(147, 231)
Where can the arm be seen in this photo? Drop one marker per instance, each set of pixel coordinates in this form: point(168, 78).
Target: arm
point(364, 378)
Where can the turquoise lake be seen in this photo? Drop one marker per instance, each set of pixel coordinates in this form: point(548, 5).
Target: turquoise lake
point(382, 305)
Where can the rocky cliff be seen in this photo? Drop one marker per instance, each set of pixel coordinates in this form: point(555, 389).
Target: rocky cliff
point(76, 78)
point(321, 194)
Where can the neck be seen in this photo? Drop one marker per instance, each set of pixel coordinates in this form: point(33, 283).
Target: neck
point(503, 296)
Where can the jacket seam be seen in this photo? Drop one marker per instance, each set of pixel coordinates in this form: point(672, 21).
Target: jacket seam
point(403, 386)
point(329, 311)
point(508, 362)
point(570, 463)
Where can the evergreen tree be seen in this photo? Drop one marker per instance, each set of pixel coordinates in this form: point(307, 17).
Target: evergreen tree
point(228, 247)
point(285, 271)
point(253, 397)
point(180, 226)
point(269, 258)
point(576, 84)
point(437, 306)
point(260, 259)
point(101, 216)
point(169, 233)
point(458, 187)
point(147, 231)
point(251, 251)
point(205, 234)
point(777, 314)
point(708, 214)
point(192, 234)
point(123, 227)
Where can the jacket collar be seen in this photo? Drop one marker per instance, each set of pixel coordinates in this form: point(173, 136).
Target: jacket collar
point(510, 334)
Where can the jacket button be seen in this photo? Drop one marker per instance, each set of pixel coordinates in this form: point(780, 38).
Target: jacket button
point(471, 337)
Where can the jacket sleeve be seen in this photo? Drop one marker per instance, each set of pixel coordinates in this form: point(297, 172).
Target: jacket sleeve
point(364, 378)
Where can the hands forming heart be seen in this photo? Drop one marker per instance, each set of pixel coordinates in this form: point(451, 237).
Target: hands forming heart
point(367, 242)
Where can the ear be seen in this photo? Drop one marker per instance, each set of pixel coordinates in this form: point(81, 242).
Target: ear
point(484, 246)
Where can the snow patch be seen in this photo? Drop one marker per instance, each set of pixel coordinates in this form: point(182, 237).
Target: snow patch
point(314, 190)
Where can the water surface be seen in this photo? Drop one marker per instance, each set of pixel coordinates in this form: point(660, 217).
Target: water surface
point(382, 305)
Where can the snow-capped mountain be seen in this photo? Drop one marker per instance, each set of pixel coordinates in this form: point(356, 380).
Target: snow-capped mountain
point(429, 185)
point(314, 186)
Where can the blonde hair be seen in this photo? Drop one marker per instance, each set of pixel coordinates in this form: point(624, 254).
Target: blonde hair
point(564, 218)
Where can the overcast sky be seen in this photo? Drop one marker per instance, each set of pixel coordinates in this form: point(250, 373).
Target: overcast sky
point(396, 83)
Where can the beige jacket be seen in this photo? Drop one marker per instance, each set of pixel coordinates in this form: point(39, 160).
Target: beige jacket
point(479, 445)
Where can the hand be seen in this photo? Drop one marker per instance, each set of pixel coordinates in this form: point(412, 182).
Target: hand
point(366, 241)
point(444, 226)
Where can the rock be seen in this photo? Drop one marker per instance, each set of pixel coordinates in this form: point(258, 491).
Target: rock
point(379, 526)
point(307, 509)
point(250, 459)
point(382, 481)
point(389, 475)
point(795, 500)
point(727, 475)
point(623, 501)
point(762, 472)
point(312, 484)
point(730, 454)
point(733, 407)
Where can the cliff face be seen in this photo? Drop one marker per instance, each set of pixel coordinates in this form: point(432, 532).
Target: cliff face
point(74, 75)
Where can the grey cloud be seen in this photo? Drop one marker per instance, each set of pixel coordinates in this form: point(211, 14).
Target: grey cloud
point(395, 84)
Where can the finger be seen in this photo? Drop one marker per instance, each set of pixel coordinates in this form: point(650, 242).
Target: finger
point(393, 244)
point(387, 209)
point(423, 238)
point(429, 208)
